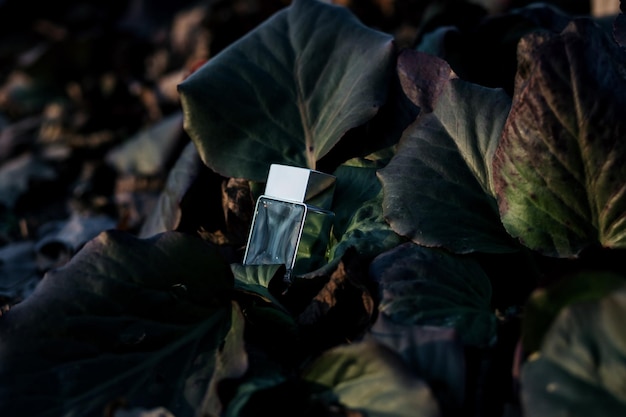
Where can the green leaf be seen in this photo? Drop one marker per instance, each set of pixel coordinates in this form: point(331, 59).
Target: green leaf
point(438, 189)
point(271, 327)
point(544, 304)
point(256, 279)
point(368, 232)
point(581, 368)
point(356, 183)
point(124, 318)
point(433, 353)
point(371, 378)
point(287, 91)
point(558, 171)
point(425, 286)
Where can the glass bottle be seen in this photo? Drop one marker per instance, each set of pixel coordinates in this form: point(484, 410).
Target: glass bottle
point(292, 223)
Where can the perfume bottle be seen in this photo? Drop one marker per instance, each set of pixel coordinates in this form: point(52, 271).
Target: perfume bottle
point(292, 220)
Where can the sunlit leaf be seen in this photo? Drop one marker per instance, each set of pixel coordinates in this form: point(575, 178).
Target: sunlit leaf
point(558, 171)
point(257, 278)
point(370, 378)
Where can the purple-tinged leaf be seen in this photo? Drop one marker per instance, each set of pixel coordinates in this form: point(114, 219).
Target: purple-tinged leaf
point(437, 188)
point(425, 286)
point(434, 353)
point(559, 170)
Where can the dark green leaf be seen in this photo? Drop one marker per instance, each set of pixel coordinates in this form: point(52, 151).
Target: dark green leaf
point(435, 354)
point(125, 318)
point(437, 189)
point(367, 232)
point(544, 304)
point(356, 183)
point(231, 362)
point(581, 367)
point(256, 278)
point(288, 91)
point(425, 286)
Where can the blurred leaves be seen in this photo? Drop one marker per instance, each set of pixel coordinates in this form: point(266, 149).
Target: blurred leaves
point(580, 367)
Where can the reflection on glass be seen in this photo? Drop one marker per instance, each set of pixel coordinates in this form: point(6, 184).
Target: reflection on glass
point(276, 232)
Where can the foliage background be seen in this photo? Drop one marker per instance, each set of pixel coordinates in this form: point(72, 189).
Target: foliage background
point(92, 138)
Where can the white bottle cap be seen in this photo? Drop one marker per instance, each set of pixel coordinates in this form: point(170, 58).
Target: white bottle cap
point(296, 184)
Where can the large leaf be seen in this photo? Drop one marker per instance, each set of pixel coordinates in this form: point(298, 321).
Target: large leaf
point(370, 378)
point(125, 318)
point(544, 304)
point(288, 91)
point(435, 354)
point(559, 169)
point(437, 189)
point(425, 286)
point(581, 368)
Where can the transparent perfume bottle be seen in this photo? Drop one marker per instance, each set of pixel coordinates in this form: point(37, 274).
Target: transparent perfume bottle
point(286, 229)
